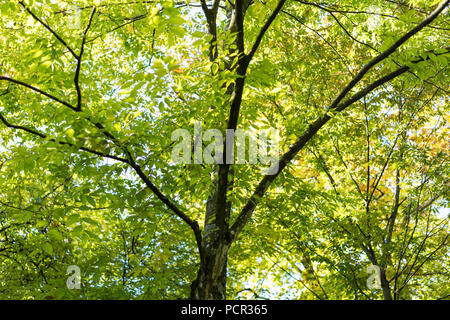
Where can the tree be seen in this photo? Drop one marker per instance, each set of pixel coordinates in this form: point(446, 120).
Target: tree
point(91, 94)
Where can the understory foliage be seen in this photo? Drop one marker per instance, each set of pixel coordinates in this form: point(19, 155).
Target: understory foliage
point(91, 92)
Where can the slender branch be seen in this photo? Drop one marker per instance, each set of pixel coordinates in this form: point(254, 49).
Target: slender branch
point(444, 297)
point(336, 147)
point(263, 30)
point(193, 224)
point(49, 29)
point(96, 124)
point(340, 56)
point(335, 10)
point(130, 160)
point(44, 136)
point(430, 201)
point(387, 53)
point(412, 274)
point(132, 20)
point(48, 95)
point(397, 204)
point(340, 25)
point(325, 168)
point(386, 162)
point(77, 71)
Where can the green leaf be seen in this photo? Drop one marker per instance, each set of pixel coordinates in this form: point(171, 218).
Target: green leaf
point(47, 247)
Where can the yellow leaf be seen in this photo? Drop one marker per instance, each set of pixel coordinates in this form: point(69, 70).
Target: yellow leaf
point(70, 132)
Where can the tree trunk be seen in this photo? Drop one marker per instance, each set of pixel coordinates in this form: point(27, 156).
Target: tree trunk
point(216, 240)
point(385, 285)
point(212, 275)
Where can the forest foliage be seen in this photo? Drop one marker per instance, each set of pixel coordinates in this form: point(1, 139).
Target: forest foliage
point(91, 92)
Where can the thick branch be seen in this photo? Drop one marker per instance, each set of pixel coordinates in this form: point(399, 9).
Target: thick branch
point(205, 8)
point(236, 100)
point(239, 12)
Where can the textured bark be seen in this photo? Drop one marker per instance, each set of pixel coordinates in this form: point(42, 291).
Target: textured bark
point(210, 283)
point(385, 285)
point(212, 274)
